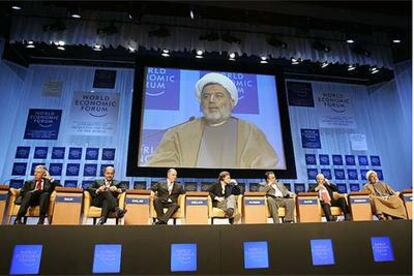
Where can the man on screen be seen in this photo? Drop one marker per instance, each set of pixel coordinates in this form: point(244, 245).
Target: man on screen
point(217, 139)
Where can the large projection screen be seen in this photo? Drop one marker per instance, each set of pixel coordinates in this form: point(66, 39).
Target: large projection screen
point(204, 117)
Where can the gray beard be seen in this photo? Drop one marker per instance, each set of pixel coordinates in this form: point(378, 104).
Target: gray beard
point(217, 117)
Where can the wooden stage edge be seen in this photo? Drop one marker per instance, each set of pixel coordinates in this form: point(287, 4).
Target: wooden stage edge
point(146, 249)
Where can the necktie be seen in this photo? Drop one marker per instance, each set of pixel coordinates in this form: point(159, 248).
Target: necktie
point(38, 185)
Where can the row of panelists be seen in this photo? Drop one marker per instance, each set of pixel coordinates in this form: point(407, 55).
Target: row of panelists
point(108, 197)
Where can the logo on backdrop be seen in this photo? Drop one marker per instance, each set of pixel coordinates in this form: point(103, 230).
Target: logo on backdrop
point(94, 114)
point(310, 138)
point(162, 88)
point(335, 109)
point(300, 94)
point(246, 85)
point(43, 124)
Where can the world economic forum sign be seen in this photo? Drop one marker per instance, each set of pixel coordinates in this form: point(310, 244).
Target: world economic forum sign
point(94, 114)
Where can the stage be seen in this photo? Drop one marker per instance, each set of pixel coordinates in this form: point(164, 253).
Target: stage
point(146, 249)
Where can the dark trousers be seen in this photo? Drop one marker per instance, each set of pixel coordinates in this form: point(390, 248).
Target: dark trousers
point(340, 202)
point(159, 206)
point(107, 201)
point(34, 198)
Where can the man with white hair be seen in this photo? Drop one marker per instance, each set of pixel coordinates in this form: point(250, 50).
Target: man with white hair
point(36, 192)
point(329, 196)
point(385, 202)
point(216, 139)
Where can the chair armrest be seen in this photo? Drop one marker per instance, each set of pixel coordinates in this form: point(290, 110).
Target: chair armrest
point(121, 200)
point(53, 197)
point(210, 205)
point(86, 203)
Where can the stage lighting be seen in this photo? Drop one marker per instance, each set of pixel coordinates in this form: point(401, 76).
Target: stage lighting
point(232, 56)
point(199, 54)
point(350, 41)
point(131, 49)
point(396, 41)
point(97, 47)
point(351, 67)
point(165, 53)
point(374, 70)
point(192, 14)
point(275, 42)
point(74, 13)
point(321, 47)
point(30, 44)
point(324, 64)
point(295, 61)
point(263, 59)
point(16, 7)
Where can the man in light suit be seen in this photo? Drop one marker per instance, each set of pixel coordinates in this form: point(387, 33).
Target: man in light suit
point(277, 196)
point(36, 192)
point(166, 196)
point(104, 194)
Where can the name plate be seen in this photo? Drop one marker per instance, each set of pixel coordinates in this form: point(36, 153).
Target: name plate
point(254, 202)
point(69, 199)
point(407, 198)
point(312, 201)
point(3, 197)
point(359, 200)
point(139, 201)
point(196, 202)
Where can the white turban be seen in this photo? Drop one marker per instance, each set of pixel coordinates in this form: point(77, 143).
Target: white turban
point(369, 174)
point(217, 78)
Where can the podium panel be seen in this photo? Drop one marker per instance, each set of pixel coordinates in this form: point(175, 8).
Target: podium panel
point(196, 204)
point(308, 207)
point(254, 207)
point(68, 206)
point(4, 190)
point(407, 196)
point(360, 205)
point(137, 202)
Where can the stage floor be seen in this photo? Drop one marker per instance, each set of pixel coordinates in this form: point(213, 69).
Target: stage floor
point(146, 249)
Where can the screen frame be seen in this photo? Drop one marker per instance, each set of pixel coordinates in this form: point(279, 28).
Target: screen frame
point(143, 61)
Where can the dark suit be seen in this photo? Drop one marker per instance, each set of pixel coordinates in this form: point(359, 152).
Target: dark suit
point(107, 200)
point(29, 196)
point(165, 199)
point(216, 191)
point(340, 202)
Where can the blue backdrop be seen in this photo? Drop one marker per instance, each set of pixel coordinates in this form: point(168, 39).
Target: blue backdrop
point(382, 113)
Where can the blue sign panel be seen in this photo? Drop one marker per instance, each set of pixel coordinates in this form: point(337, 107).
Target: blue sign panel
point(256, 255)
point(183, 257)
point(26, 259)
point(107, 258)
point(43, 124)
point(322, 252)
point(382, 249)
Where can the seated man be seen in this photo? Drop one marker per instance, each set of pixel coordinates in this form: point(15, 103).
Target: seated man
point(326, 191)
point(223, 194)
point(36, 192)
point(277, 196)
point(167, 193)
point(104, 194)
point(385, 202)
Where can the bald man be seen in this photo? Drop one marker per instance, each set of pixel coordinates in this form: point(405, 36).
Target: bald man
point(104, 194)
point(166, 196)
point(217, 139)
